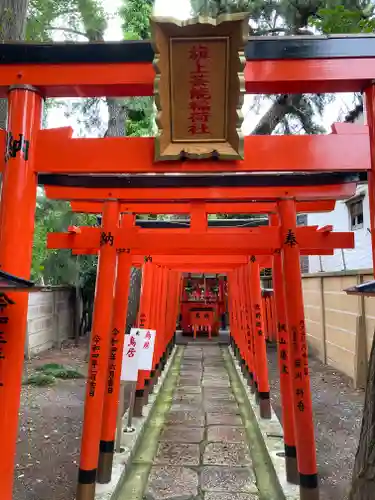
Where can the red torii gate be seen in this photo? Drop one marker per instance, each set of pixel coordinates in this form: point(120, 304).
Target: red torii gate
point(30, 149)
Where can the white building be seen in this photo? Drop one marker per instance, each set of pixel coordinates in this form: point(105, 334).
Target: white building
point(349, 215)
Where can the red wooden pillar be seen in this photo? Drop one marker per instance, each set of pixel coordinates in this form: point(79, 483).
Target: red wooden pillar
point(242, 314)
point(230, 311)
point(163, 315)
point(176, 294)
point(175, 307)
point(167, 310)
point(234, 291)
point(99, 353)
point(302, 405)
point(144, 322)
point(159, 301)
point(236, 316)
point(18, 198)
point(249, 329)
point(285, 368)
point(111, 399)
point(153, 322)
point(370, 108)
point(259, 340)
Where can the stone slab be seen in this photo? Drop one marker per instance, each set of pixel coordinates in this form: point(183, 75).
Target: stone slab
point(221, 406)
point(187, 406)
point(189, 382)
point(177, 454)
point(226, 434)
point(171, 482)
point(190, 419)
point(187, 398)
point(224, 419)
point(230, 454)
point(215, 383)
point(181, 434)
point(188, 390)
point(230, 496)
point(233, 479)
point(213, 393)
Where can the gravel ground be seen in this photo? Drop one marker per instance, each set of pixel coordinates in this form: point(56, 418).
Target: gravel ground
point(49, 433)
point(338, 415)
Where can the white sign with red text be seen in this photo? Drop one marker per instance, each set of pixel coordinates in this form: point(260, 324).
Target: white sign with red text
point(131, 355)
point(147, 349)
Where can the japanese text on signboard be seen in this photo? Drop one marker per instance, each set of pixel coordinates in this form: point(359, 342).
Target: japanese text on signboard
point(200, 96)
point(130, 359)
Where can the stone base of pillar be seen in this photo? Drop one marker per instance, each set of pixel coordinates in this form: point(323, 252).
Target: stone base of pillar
point(85, 491)
point(308, 493)
point(138, 403)
point(292, 475)
point(255, 391)
point(152, 382)
point(105, 467)
point(146, 391)
point(264, 406)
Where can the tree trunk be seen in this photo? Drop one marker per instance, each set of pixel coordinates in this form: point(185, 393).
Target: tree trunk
point(363, 479)
point(277, 112)
point(12, 28)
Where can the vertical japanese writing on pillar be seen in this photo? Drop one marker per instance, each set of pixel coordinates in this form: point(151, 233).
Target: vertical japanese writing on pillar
point(300, 364)
point(5, 302)
point(283, 352)
point(112, 360)
point(94, 363)
point(200, 95)
point(258, 320)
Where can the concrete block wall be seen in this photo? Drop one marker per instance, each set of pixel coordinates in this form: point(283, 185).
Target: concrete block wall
point(340, 327)
point(49, 320)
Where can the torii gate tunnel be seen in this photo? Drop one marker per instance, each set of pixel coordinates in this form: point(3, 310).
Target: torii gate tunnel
point(316, 169)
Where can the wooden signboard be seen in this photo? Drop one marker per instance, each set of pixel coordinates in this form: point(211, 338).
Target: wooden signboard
point(199, 87)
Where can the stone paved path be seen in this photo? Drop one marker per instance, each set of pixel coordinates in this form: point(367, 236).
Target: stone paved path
point(202, 453)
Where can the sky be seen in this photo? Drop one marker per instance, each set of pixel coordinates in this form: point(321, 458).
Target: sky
point(180, 9)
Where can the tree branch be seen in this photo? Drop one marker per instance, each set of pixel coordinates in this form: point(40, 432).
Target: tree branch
point(68, 30)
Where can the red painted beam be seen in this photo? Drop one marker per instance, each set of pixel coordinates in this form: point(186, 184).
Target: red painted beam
point(96, 207)
point(257, 241)
point(138, 260)
point(275, 153)
point(315, 76)
point(137, 79)
point(300, 193)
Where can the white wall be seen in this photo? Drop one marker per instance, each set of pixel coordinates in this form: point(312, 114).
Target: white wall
point(49, 320)
point(360, 257)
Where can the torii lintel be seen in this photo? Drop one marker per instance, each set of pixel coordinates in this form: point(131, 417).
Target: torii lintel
point(337, 152)
point(238, 193)
point(257, 241)
point(209, 208)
